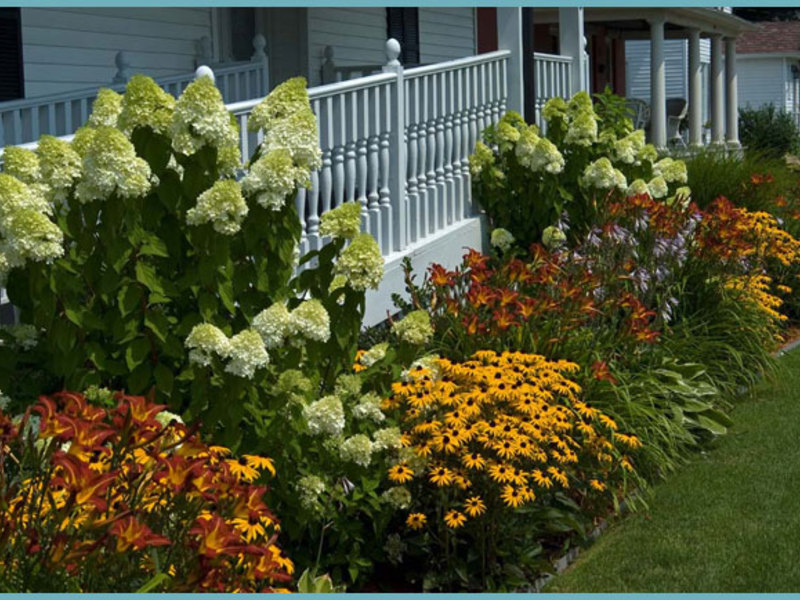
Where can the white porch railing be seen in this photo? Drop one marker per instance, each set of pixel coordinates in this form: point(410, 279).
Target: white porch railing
point(23, 121)
point(398, 143)
point(553, 78)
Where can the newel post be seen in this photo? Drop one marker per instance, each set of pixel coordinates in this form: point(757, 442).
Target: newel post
point(397, 149)
point(205, 71)
point(260, 56)
point(123, 64)
point(328, 66)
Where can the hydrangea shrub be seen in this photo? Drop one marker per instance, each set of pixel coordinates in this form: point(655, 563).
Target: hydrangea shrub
point(147, 257)
point(528, 181)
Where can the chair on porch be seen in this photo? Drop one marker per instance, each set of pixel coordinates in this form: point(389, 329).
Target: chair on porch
point(676, 113)
point(640, 112)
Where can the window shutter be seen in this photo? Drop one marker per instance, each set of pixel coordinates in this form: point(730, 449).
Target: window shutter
point(11, 81)
point(403, 25)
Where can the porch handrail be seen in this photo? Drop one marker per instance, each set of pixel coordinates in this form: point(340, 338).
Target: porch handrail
point(553, 78)
point(60, 114)
point(397, 142)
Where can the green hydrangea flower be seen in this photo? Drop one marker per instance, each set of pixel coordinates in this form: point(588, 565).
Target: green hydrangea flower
point(357, 449)
point(273, 324)
point(247, 354)
point(415, 328)
point(60, 164)
point(145, 104)
point(311, 321)
point(502, 239)
point(22, 164)
point(205, 341)
point(222, 205)
point(286, 99)
point(105, 109)
point(342, 222)
point(361, 263)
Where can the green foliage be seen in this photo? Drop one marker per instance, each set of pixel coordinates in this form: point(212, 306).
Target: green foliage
point(769, 130)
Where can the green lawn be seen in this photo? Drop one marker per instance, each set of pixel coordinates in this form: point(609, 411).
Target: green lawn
point(727, 522)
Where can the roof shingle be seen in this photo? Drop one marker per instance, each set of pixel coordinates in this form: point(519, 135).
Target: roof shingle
point(771, 37)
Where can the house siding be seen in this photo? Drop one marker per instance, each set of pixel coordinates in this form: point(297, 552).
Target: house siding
point(68, 49)
point(358, 36)
point(761, 81)
point(446, 33)
point(676, 56)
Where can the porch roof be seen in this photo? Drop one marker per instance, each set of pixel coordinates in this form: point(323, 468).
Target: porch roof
point(634, 22)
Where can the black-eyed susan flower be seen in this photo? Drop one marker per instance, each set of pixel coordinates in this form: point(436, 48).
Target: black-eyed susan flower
point(416, 521)
point(454, 519)
point(401, 473)
point(441, 476)
point(597, 485)
point(474, 506)
point(501, 473)
point(260, 462)
point(512, 496)
point(242, 470)
point(473, 460)
point(251, 528)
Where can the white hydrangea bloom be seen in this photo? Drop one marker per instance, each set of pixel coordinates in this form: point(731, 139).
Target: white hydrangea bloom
point(637, 188)
point(415, 328)
point(356, 449)
point(627, 149)
point(554, 108)
point(342, 222)
point(105, 109)
point(582, 129)
point(222, 205)
point(60, 164)
point(25, 336)
point(30, 235)
point(5, 401)
point(311, 320)
point(348, 386)
point(111, 166)
point(272, 178)
point(525, 148)
point(502, 239)
point(206, 340)
point(648, 153)
point(388, 439)
point(298, 134)
point(325, 416)
point(397, 497)
point(602, 175)
point(482, 158)
point(22, 164)
point(145, 104)
point(165, 417)
point(369, 408)
point(507, 135)
point(16, 196)
point(553, 238)
point(247, 354)
point(546, 157)
point(374, 354)
point(673, 171)
point(200, 118)
point(310, 488)
point(273, 324)
point(82, 140)
point(286, 99)
point(658, 187)
point(361, 263)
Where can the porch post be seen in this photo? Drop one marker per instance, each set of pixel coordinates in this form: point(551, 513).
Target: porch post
point(732, 94)
point(717, 92)
point(571, 42)
point(695, 90)
point(658, 85)
point(509, 37)
point(393, 158)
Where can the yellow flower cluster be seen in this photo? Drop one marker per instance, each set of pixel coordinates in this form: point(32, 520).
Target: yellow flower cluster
point(757, 289)
point(500, 429)
point(771, 240)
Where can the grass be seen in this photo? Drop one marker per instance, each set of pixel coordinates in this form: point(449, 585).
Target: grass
point(729, 521)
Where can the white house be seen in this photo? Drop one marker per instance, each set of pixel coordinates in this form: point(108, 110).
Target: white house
point(769, 66)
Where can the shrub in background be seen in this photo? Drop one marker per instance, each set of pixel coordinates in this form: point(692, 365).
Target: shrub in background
point(768, 130)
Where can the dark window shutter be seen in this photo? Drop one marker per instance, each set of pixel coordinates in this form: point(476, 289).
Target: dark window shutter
point(403, 25)
point(243, 30)
point(11, 80)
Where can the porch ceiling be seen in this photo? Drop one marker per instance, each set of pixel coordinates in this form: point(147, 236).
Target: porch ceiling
point(635, 21)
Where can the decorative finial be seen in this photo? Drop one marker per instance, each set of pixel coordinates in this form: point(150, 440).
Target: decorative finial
point(204, 71)
point(393, 51)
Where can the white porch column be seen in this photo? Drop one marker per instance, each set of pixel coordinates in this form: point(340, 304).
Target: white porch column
point(509, 37)
point(695, 90)
point(717, 91)
point(658, 85)
point(571, 42)
point(732, 94)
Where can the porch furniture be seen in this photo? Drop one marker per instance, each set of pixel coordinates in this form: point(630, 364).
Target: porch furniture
point(677, 108)
point(641, 112)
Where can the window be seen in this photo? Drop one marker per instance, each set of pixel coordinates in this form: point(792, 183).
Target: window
point(243, 30)
point(11, 81)
point(403, 25)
